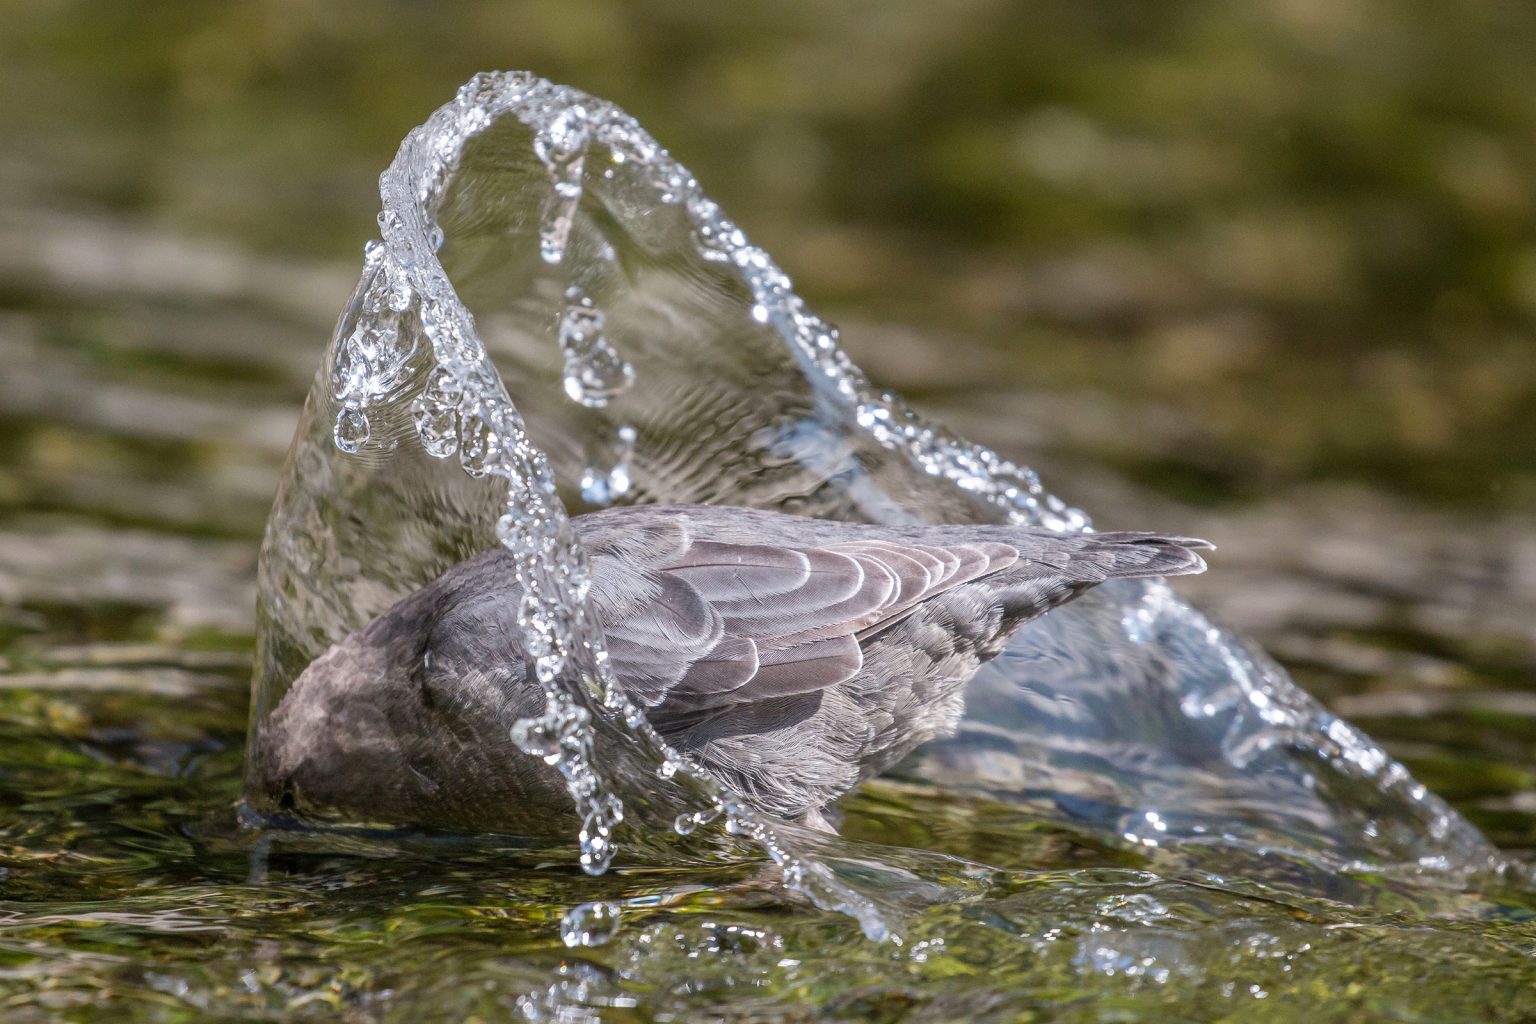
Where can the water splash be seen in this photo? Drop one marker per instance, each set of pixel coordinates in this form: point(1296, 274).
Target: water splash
point(750, 398)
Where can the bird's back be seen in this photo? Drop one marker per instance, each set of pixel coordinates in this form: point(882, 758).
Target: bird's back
point(796, 657)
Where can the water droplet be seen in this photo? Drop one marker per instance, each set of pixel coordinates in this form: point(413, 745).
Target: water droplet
point(480, 446)
point(596, 853)
point(536, 624)
point(687, 824)
point(596, 831)
point(537, 737)
point(606, 478)
point(437, 416)
point(547, 667)
point(595, 379)
point(563, 148)
point(400, 295)
point(509, 530)
point(581, 585)
point(564, 139)
point(590, 924)
point(352, 430)
point(555, 227)
point(594, 370)
point(522, 532)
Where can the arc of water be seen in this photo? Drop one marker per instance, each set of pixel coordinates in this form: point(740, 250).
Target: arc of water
point(465, 411)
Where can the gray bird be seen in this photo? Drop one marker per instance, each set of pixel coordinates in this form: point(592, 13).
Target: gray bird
point(793, 658)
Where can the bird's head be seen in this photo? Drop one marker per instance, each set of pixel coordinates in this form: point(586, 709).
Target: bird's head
point(408, 720)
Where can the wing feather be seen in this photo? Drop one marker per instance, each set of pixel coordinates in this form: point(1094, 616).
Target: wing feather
point(731, 663)
point(763, 607)
point(717, 571)
point(712, 624)
point(705, 609)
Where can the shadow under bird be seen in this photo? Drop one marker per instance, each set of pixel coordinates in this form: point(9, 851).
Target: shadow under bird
point(793, 658)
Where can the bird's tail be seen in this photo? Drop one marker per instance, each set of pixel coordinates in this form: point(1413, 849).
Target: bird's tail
point(1058, 567)
point(1138, 555)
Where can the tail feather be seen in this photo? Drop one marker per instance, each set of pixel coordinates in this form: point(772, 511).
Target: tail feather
point(1060, 567)
point(1139, 555)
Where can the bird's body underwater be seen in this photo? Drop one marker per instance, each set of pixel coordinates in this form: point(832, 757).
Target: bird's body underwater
point(791, 657)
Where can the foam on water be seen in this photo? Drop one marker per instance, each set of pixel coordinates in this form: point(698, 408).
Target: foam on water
point(1128, 710)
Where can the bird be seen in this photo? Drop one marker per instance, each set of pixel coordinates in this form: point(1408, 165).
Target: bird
point(790, 657)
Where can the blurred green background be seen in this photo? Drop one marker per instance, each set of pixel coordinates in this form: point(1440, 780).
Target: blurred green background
point(1270, 243)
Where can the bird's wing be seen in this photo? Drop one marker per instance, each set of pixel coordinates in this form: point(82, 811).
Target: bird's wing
point(710, 623)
